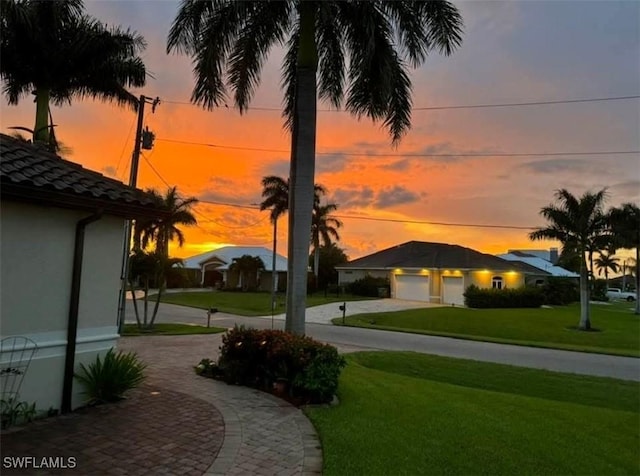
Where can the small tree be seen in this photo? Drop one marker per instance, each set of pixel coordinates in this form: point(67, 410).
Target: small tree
point(147, 269)
point(247, 267)
point(607, 262)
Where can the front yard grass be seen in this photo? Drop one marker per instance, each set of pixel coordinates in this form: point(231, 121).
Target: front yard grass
point(170, 330)
point(410, 413)
point(619, 328)
point(246, 304)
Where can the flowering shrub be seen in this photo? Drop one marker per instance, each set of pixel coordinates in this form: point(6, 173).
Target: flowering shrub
point(259, 358)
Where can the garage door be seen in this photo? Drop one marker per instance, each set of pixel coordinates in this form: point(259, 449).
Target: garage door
point(412, 287)
point(452, 290)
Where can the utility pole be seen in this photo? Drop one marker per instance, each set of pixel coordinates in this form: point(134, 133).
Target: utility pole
point(133, 178)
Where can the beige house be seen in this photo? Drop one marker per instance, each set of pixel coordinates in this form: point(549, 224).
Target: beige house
point(61, 249)
point(435, 272)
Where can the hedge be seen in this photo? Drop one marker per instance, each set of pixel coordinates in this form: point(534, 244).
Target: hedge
point(527, 296)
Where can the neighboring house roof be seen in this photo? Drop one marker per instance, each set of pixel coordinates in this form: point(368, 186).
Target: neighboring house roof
point(30, 173)
point(227, 253)
point(422, 254)
point(539, 264)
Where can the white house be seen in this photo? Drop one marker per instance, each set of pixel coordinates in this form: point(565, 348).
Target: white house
point(213, 266)
point(61, 246)
point(536, 258)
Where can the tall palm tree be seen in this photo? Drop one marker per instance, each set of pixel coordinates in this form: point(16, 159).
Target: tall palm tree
point(162, 231)
point(275, 191)
point(577, 223)
point(324, 228)
point(607, 262)
point(230, 40)
point(625, 226)
point(51, 48)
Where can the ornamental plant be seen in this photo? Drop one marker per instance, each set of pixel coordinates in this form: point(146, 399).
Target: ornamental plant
point(107, 380)
point(259, 358)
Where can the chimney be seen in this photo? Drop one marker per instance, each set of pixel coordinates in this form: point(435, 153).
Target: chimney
point(553, 255)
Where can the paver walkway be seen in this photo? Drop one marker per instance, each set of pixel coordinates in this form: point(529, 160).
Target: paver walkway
point(176, 423)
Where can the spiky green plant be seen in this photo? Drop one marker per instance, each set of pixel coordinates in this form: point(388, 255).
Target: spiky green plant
point(107, 380)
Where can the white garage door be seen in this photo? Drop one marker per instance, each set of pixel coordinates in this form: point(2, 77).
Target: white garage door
point(452, 289)
point(412, 287)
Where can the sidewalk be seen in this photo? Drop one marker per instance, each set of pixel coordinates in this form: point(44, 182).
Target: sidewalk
point(176, 423)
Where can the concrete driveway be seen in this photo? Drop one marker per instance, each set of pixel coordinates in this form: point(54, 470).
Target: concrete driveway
point(325, 312)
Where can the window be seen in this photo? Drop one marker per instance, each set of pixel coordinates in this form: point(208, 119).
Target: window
point(496, 282)
point(539, 282)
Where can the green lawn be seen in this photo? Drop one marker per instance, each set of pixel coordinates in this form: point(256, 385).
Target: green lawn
point(246, 304)
point(170, 330)
point(619, 327)
point(405, 413)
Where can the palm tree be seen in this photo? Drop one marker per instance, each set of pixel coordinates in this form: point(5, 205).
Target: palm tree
point(577, 223)
point(275, 191)
point(246, 266)
point(51, 48)
point(607, 262)
point(164, 230)
point(146, 268)
point(230, 40)
point(324, 228)
point(625, 226)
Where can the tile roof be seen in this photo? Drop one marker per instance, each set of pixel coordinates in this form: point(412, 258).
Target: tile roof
point(30, 173)
point(422, 254)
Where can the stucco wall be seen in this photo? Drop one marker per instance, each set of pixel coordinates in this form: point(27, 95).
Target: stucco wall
point(36, 246)
point(483, 279)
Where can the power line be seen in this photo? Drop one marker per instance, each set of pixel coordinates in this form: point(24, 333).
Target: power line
point(355, 154)
point(421, 222)
point(465, 106)
point(393, 220)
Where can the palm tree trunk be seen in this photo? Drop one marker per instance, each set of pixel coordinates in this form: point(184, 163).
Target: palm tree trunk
point(135, 304)
point(274, 273)
point(301, 190)
point(637, 280)
point(146, 301)
point(155, 308)
point(41, 127)
point(585, 311)
point(316, 260)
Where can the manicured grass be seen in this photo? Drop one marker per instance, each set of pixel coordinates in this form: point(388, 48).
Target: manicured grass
point(170, 330)
point(246, 304)
point(619, 328)
point(407, 413)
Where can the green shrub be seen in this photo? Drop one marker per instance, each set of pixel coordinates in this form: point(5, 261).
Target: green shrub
point(368, 286)
point(599, 290)
point(259, 358)
point(559, 291)
point(527, 296)
point(107, 380)
point(14, 412)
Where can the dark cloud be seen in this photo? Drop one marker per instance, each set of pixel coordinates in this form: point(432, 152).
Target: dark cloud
point(627, 191)
point(280, 168)
point(353, 197)
point(365, 196)
point(396, 195)
point(553, 166)
point(331, 163)
point(397, 166)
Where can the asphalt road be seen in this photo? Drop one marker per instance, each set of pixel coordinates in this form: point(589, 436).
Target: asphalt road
point(352, 338)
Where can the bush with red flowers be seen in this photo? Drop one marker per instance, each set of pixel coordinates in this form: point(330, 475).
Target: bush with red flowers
point(260, 358)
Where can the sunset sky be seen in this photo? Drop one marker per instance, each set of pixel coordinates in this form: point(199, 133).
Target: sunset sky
point(513, 52)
